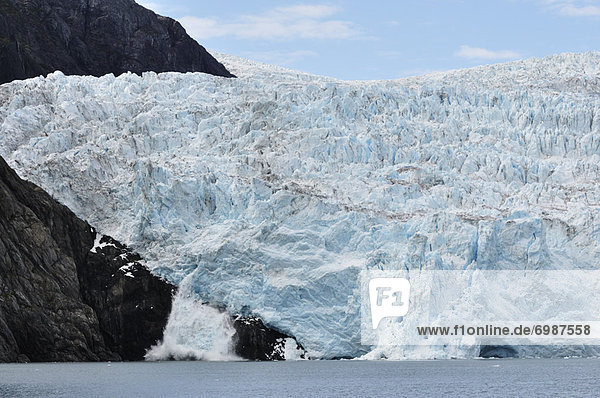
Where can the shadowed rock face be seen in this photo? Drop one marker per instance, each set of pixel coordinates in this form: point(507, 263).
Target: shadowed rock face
point(58, 300)
point(42, 315)
point(94, 37)
point(257, 342)
point(131, 304)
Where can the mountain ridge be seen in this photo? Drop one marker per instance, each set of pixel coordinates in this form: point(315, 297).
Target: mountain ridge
point(94, 37)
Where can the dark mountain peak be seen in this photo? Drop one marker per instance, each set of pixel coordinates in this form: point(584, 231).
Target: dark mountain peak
point(94, 37)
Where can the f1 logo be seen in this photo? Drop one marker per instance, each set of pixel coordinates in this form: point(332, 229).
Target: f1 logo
point(388, 297)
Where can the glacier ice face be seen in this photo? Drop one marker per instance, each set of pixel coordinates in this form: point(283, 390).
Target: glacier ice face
point(269, 193)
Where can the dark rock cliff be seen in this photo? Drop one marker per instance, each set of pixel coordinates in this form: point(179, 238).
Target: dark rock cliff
point(58, 300)
point(94, 37)
point(257, 342)
point(131, 304)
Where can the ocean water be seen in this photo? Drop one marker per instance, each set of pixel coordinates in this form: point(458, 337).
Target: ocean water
point(460, 378)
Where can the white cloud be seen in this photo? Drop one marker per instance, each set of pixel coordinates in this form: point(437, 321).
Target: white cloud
point(281, 23)
point(575, 8)
point(309, 11)
point(585, 11)
point(485, 54)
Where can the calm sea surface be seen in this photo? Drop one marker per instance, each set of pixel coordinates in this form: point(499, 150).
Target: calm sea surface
point(468, 378)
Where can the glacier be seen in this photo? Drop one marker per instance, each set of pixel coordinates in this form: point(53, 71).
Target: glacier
point(268, 194)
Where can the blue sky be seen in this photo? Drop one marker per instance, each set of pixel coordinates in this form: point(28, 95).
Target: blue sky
point(363, 40)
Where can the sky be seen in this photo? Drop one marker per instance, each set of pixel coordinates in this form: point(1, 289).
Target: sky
point(371, 40)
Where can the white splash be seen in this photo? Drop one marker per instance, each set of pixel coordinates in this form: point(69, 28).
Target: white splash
point(195, 331)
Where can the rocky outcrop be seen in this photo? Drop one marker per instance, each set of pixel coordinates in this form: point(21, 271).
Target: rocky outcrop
point(132, 305)
point(257, 342)
point(94, 37)
point(59, 301)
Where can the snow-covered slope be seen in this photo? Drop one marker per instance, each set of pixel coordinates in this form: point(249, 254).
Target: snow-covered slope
point(269, 193)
